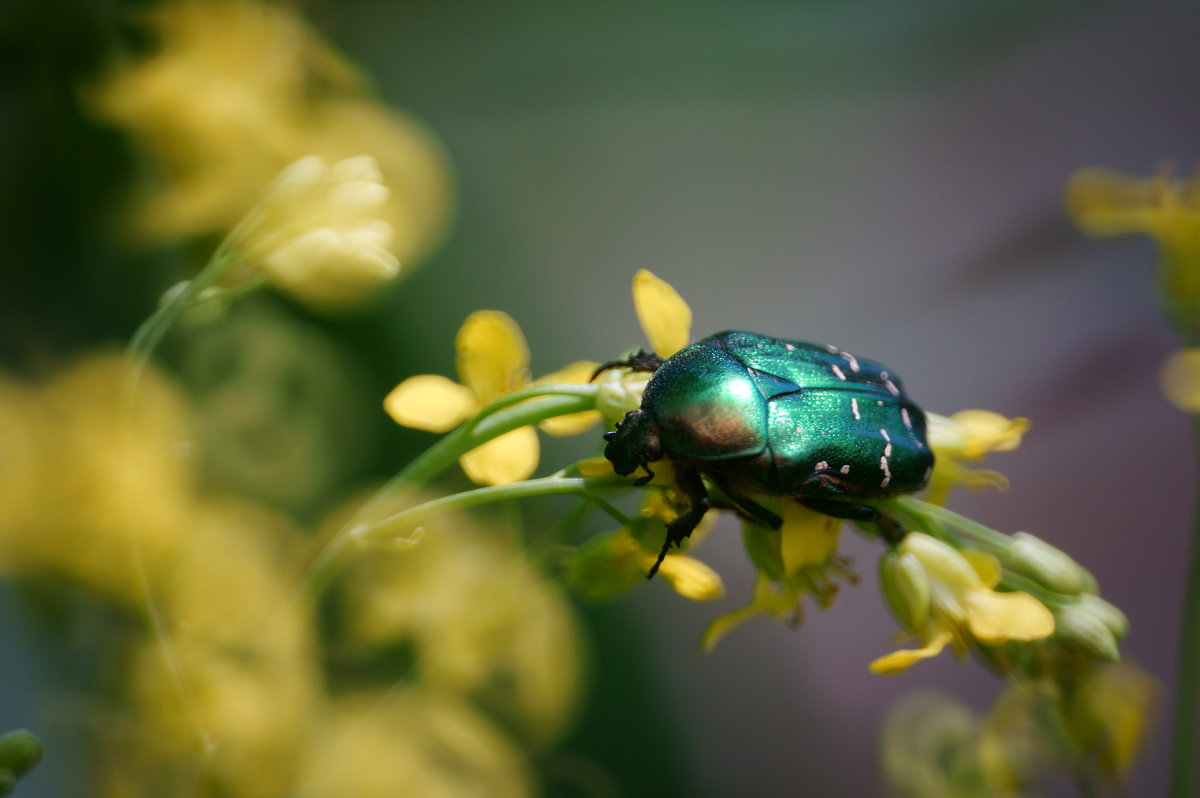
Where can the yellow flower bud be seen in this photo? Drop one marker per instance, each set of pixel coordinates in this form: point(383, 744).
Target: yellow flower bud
point(1051, 566)
point(620, 390)
point(905, 587)
point(1092, 625)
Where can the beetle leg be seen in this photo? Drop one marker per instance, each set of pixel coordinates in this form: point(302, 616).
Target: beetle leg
point(748, 507)
point(691, 487)
point(889, 528)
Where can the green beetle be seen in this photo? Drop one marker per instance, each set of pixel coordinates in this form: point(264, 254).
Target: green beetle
point(756, 414)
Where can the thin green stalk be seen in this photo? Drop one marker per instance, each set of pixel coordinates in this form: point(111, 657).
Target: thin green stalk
point(395, 525)
point(1187, 674)
point(988, 537)
point(536, 404)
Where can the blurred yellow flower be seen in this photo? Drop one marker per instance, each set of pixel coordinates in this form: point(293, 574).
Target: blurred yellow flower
point(316, 231)
point(967, 437)
point(958, 605)
point(413, 743)
point(480, 620)
point(493, 361)
point(1181, 380)
point(236, 89)
point(611, 564)
point(83, 480)
point(1105, 202)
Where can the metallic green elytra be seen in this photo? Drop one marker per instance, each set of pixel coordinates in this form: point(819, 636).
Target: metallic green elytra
point(756, 414)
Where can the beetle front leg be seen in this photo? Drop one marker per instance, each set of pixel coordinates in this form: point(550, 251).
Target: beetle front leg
point(691, 487)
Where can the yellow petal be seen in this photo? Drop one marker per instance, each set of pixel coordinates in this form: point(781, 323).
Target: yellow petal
point(1181, 380)
point(974, 433)
point(902, 660)
point(985, 564)
point(665, 318)
point(691, 578)
point(724, 624)
point(577, 373)
point(493, 358)
point(807, 537)
point(996, 617)
point(510, 458)
point(596, 467)
point(430, 402)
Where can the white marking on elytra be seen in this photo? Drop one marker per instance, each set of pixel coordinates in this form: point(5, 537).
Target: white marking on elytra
point(845, 469)
point(905, 417)
point(853, 361)
point(760, 346)
point(879, 403)
point(840, 375)
point(789, 347)
point(854, 407)
point(887, 475)
point(831, 349)
point(821, 466)
point(887, 450)
point(799, 428)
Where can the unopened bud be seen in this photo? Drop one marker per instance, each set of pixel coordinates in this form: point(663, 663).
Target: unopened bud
point(1050, 566)
point(619, 390)
point(905, 587)
point(1092, 625)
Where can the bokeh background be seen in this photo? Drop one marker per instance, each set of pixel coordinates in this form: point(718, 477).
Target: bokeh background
point(886, 177)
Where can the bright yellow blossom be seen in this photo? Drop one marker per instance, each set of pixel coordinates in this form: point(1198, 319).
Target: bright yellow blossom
point(960, 605)
point(493, 361)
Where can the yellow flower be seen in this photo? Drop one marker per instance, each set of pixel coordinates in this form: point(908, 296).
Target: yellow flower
point(799, 559)
point(233, 91)
point(611, 564)
point(493, 361)
point(959, 605)
point(480, 620)
point(412, 742)
point(82, 482)
point(967, 437)
point(1105, 202)
point(316, 231)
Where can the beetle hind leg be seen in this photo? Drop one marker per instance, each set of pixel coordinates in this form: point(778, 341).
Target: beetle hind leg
point(691, 486)
point(748, 507)
point(890, 529)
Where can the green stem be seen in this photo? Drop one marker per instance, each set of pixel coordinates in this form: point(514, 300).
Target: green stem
point(393, 526)
point(1187, 675)
point(997, 542)
point(537, 404)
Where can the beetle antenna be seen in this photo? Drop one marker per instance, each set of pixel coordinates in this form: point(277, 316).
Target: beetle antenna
point(642, 361)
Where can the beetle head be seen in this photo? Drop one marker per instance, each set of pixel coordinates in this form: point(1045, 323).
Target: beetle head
point(633, 443)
